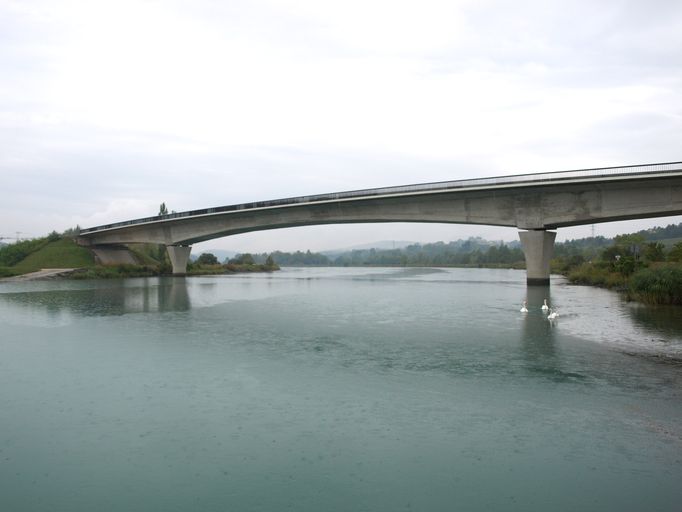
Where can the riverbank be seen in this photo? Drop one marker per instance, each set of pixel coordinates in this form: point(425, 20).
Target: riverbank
point(46, 273)
point(125, 270)
point(659, 283)
point(128, 271)
point(59, 257)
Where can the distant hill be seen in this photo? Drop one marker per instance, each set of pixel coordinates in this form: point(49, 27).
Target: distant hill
point(473, 251)
point(382, 244)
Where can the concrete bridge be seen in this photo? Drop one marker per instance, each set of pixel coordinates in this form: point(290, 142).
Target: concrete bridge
point(533, 203)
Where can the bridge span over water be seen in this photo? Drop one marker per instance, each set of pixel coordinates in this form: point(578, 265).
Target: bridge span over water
point(533, 203)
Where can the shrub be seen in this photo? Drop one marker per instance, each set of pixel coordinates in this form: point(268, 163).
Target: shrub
point(7, 272)
point(12, 254)
point(657, 285)
point(242, 259)
point(597, 275)
point(207, 258)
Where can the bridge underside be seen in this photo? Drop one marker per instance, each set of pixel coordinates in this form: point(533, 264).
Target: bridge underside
point(538, 247)
point(536, 209)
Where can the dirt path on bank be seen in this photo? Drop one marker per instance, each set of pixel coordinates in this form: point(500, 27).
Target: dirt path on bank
point(45, 273)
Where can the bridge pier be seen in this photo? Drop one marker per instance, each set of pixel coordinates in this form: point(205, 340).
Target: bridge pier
point(538, 247)
point(179, 256)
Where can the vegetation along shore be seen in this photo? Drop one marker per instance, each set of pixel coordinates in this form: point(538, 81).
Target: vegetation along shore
point(61, 251)
point(646, 266)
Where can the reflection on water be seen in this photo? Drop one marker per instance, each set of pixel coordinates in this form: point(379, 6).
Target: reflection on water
point(335, 389)
point(166, 294)
point(662, 319)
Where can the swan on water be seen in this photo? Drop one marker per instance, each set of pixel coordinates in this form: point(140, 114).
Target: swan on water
point(524, 309)
point(545, 307)
point(553, 314)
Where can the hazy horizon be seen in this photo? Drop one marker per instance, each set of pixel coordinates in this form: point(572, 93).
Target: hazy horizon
point(109, 109)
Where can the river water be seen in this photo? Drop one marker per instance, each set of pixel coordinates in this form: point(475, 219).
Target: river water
point(337, 390)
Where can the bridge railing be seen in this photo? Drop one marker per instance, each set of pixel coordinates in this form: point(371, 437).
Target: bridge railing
point(534, 178)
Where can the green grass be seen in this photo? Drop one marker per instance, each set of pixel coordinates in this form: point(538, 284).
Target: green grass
point(661, 284)
point(8, 272)
point(148, 254)
point(115, 272)
point(230, 268)
point(596, 275)
point(63, 253)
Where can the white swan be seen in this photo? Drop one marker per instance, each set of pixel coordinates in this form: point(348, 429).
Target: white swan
point(524, 309)
point(545, 307)
point(552, 315)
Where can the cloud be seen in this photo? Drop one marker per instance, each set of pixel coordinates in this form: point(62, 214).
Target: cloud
point(107, 109)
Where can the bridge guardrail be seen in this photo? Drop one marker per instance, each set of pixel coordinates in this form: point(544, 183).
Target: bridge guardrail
point(601, 172)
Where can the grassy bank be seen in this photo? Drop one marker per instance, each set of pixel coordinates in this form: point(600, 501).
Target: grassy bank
point(195, 269)
point(596, 275)
point(55, 251)
point(121, 271)
point(115, 272)
point(52, 251)
point(8, 272)
point(645, 271)
point(653, 283)
point(660, 284)
point(62, 253)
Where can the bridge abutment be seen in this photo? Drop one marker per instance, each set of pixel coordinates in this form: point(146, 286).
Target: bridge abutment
point(538, 247)
point(179, 256)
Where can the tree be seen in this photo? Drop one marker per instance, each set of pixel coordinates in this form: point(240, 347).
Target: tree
point(162, 209)
point(653, 251)
point(72, 232)
point(675, 253)
point(269, 261)
point(206, 258)
point(632, 243)
point(243, 259)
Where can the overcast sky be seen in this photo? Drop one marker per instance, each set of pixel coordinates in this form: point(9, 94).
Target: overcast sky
point(109, 108)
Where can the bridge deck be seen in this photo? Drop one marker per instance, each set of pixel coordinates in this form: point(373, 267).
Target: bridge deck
point(519, 180)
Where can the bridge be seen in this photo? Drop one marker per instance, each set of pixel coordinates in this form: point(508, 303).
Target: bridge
point(533, 203)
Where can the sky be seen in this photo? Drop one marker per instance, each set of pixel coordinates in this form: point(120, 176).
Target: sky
point(108, 109)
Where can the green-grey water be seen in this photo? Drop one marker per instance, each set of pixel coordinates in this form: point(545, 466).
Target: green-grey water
point(337, 390)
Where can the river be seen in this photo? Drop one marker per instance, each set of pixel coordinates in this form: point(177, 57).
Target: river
point(337, 390)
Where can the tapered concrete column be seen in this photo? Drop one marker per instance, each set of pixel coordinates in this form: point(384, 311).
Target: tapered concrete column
point(179, 256)
point(538, 247)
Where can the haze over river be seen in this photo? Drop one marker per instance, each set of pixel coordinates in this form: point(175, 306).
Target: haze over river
point(337, 390)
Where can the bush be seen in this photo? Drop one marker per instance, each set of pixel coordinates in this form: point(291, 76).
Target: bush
point(115, 272)
point(598, 274)
point(12, 254)
point(7, 272)
point(657, 285)
point(207, 258)
point(675, 253)
point(242, 259)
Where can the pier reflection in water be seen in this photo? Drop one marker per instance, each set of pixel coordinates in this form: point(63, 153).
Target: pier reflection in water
point(537, 335)
point(105, 298)
point(335, 389)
